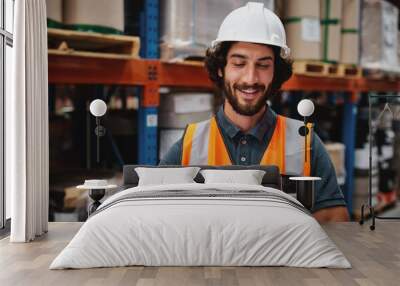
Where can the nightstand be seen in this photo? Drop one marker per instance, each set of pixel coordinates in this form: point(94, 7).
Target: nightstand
point(305, 189)
point(97, 190)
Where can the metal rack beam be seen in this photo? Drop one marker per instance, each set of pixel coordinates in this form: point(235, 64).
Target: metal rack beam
point(308, 83)
point(82, 70)
point(382, 85)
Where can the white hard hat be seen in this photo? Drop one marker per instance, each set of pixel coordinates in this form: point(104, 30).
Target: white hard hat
point(255, 24)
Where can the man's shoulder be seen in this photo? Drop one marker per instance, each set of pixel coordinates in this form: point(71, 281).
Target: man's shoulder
point(174, 154)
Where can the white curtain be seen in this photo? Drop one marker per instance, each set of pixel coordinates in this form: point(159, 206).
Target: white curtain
point(27, 167)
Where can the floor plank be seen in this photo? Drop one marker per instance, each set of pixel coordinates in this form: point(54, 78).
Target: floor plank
point(374, 255)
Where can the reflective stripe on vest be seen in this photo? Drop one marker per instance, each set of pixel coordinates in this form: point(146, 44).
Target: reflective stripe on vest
point(203, 145)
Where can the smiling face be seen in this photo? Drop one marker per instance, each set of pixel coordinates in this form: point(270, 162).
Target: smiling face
point(247, 76)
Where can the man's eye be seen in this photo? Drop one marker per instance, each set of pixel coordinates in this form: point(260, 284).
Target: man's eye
point(238, 64)
point(264, 66)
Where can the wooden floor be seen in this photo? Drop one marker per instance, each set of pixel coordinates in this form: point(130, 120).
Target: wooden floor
point(374, 255)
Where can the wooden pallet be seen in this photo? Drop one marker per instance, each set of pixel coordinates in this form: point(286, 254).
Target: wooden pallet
point(185, 62)
point(192, 63)
point(89, 44)
point(349, 71)
point(317, 68)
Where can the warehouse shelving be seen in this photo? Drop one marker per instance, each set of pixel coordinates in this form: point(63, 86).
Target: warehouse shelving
point(149, 74)
point(153, 74)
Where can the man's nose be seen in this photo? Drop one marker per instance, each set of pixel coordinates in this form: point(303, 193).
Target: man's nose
point(251, 76)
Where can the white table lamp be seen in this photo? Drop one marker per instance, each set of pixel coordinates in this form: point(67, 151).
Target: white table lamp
point(305, 109)
point(98, 108)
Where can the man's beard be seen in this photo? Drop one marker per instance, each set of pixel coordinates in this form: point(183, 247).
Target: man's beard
point(247, 110)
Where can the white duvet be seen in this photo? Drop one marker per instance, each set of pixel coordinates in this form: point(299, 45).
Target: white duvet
point(183, 230)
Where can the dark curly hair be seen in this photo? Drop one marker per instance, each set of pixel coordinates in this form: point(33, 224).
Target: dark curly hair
point(216, 60)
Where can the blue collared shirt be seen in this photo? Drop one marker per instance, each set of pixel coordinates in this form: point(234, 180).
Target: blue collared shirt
point(248, 149)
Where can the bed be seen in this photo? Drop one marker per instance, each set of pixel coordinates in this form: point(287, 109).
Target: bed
point(201, 223)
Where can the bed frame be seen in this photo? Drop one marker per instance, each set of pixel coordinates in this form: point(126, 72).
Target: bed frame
point(272, 178)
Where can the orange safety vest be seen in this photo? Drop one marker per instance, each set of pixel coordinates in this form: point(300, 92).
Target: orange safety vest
point(203, 145)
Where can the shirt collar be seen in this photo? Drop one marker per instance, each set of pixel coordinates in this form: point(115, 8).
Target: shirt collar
point(266, 123)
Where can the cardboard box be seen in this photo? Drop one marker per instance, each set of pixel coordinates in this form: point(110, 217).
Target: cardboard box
point(179, 109)
point(331, 12)
point(187, 102)
point(302, 25)
point(304, 8)
point(350, 47)
point(361, 185)
point(72, 197)
point(336, 152)
point(350, 42)
point(351, 14)
point(54, 10)
point(95, 12)
point(331, 9)
point(379, 35)
point(398, 47)
point(303, 39)
point(361, 160)
point(175, 120)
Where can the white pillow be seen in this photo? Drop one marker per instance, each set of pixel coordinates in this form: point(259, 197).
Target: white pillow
point(249, 177)
point(164, 176)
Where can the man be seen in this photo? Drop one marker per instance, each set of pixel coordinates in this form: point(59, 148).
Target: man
point(249, 62)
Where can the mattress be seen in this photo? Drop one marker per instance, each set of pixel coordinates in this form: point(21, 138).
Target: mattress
point(201, 225)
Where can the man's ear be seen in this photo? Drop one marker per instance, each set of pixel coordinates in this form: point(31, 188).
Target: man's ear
point(220, 74)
